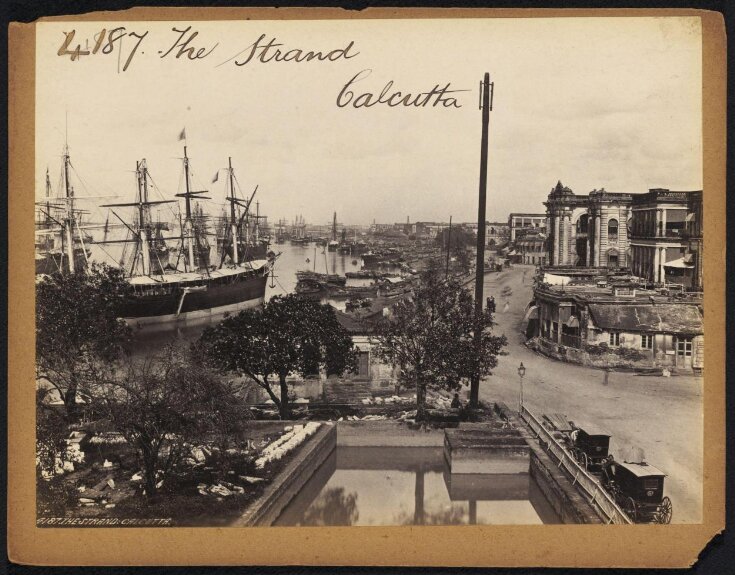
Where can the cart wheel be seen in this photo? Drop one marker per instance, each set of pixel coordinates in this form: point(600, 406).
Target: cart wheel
point(665, 511)
point(584, 460)
point(631, 509)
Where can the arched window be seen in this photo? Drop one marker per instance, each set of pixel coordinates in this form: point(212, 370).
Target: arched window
point(612, 230)
point(582, 224)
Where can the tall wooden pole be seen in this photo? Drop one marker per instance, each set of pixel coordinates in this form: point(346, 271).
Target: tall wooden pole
point(449, 244)
point(480, 266)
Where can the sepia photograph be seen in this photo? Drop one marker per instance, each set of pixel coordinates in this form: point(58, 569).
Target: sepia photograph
point(369, 272)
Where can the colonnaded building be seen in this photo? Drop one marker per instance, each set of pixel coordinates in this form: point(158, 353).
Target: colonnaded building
point(657, 235)
point(622, 285)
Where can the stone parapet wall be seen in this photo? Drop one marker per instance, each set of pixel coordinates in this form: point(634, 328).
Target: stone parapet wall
point(602, 361)
point(287, 484)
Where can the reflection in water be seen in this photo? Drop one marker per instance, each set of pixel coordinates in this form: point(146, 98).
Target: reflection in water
point(332, 507)
point(351, 488)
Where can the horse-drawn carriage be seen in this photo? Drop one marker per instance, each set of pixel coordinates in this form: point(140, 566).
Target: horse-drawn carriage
point(638, 488)
point(589, 446)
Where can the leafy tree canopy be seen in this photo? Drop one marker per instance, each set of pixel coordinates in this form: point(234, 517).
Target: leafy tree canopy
point(78, 330)
point(430, 336)
point(288, 335)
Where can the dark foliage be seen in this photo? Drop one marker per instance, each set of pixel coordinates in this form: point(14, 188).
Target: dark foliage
point(430, 337)
point(288, 335)
point(78, 330)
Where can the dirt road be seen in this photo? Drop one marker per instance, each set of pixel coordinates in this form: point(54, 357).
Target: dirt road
point(663, 416)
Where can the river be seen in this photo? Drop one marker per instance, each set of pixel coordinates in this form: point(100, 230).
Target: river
point(291, 258)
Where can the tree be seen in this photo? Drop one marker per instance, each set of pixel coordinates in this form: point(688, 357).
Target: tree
point(163, 404)
point(288, 335)
point(430, 337)
point(78, 330)
point(51, 433)
point(458, 238)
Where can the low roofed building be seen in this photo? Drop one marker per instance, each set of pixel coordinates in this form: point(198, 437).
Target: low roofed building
point(616, 323)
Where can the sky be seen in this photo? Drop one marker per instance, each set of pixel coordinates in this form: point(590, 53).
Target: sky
point(593, 102)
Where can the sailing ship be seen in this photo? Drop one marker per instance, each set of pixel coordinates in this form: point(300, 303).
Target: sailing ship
point(249, 244)
point(281, 234)
point(60, 236)
point(179, 286)
point(298, 235)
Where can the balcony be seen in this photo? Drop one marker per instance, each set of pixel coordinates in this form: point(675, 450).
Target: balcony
point(667, 235)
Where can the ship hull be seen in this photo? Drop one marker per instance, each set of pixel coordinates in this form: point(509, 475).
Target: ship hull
point(192, 303)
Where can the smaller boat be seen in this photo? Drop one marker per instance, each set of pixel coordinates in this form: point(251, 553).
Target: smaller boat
point(334, 279)
point(309, 288)
point(352, 291)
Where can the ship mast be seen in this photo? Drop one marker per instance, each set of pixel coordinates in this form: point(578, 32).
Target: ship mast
point(140, 232)
point(233, 216)
point(69, 216)
point(48, 195)
point(334, 227)
point(142, 219)
point(257, 221)
point(189, 227)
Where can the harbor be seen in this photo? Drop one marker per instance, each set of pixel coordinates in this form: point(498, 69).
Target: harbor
point(309, 319)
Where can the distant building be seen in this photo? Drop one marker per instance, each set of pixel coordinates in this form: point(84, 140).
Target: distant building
point(519, 224)
point(496, 233)
point(660, 243)
point(616, 325)
point(530, 249)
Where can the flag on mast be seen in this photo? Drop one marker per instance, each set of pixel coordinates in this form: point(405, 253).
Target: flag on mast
point(216, 177)
point(182, 135)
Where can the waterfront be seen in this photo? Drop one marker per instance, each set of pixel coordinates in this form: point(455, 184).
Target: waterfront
point(291, 258)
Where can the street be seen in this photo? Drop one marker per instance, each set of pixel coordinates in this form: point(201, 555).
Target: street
point(662, 416)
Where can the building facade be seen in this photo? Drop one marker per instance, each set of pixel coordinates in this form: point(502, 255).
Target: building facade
point(519, 224)
point(694, 236)
point(531, 249)
point(619, 325)
point(496, 233)
point(660, 241)
point(588, 230)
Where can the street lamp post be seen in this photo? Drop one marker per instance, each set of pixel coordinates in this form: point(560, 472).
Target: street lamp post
point(521, 374)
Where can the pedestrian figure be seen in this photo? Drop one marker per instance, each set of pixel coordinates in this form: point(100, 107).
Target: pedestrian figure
point(456, 403)
point(491, 304)
point(608, 470)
